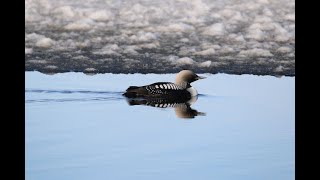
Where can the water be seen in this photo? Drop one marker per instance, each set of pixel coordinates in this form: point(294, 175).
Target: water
point(80, 127)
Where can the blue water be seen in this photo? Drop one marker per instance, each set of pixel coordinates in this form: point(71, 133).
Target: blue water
point(80, 127)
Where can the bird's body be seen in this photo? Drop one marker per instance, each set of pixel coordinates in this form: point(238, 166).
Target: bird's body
point(178, 90)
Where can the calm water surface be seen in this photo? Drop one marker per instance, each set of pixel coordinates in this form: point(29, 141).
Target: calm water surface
point(80, 127)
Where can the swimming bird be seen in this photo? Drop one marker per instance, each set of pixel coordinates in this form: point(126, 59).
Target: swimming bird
point(180, 89)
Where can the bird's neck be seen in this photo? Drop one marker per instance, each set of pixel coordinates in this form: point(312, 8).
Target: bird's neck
point(183, 84)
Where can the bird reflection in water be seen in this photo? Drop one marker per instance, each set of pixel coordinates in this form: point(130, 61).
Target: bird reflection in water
point(182, 107)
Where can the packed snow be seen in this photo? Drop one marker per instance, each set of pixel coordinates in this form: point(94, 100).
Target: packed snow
point(127, 36)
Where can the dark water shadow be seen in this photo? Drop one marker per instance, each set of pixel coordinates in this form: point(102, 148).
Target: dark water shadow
point(70, 91)
point(182, 107)
point(202, 95)
point(72, 99)
point(103, 96)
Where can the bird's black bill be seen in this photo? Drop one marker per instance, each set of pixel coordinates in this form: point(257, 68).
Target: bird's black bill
point(200, 77)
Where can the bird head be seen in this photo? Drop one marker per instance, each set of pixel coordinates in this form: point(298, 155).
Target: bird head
point(187, 76)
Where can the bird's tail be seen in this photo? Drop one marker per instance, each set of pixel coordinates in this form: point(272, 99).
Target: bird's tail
point(132, 91)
